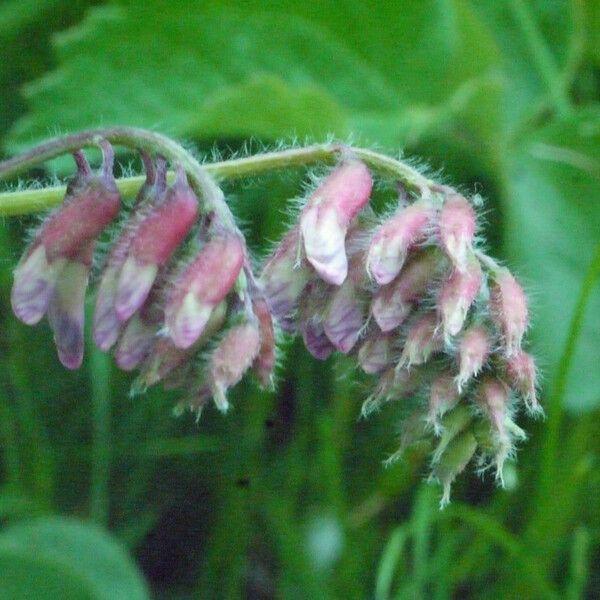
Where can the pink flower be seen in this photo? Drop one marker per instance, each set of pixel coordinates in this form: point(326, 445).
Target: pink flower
point(422, 340)
point(107, 324)
point(328, 212)
point(392, 241)
point(283, 278)
point(52, 276)
point(473, 352)
point(457, 295)
point(522, 373)
point(232, 357)
point(509, 310)
point(457, 228)
point(443, 397)
point(392, 303)
point(344, 316)
point(156, 238)
point(201, 286)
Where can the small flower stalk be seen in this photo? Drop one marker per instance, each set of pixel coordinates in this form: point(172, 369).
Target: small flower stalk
point(435, 322)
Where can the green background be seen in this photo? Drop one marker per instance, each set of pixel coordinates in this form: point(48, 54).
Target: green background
point(107, 496)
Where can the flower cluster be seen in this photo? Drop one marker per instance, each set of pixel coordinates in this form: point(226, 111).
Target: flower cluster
point(437, 322)
point(411, 296)
point(176, 297)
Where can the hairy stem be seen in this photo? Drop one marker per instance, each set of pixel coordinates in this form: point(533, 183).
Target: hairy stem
point(27, 201)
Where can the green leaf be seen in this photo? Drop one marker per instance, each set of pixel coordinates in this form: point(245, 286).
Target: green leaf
point(64, 558)
point(236, 71)
point(552, 228)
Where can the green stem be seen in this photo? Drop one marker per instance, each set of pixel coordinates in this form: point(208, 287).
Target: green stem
point(543, 58)
point(27, 201)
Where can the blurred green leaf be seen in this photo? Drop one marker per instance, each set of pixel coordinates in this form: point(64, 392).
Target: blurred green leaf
point(552, 214)
point(233, 72)
point(63, 558)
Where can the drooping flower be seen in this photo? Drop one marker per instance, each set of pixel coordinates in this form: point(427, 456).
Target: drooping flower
point(457, 295)
point(283, 278)
point(473, 352)
point(509, 310)
point(457, 226)
point(156, 237)
point(328, 212)
point(53, 274)
point(392, 241)
point(393, 303)
point(201, 286)
point(107, 324)
point(232, 357)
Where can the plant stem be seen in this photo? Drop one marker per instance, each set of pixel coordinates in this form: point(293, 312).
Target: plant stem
point(542, 57)
point(27, 201)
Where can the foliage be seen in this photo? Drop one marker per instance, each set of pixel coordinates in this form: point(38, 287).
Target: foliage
point(286, 497)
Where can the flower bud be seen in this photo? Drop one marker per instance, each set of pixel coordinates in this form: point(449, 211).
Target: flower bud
point(265, 361)
point(509, 310)
point(232, 357)
point(457, 229)
point(453, 424)
point(493, 396)
point(202, 285)
point(310, 319)
point(443, 397)
point(392, 241)
point(394, 302)
point(153, 244)
point(457, 295)
point(328, 212)
point(91, 203)
point(473, 352)
point(522, 374)
point(453, 462)
point(283, 279)
point(375, 354)
point(422, 341)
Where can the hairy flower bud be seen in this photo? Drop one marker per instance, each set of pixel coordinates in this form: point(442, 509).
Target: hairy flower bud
point(328, 212)
point(201, 286)
point(422, 340)
point(375, 353)
point(232, 357)
point(283, 278)
point(473, 352)
point(493, 396)
point(457, 228)
point(392, 303)
point(392, 241)
point(509, 310)
point(457, 295)
point(155, 240)
point(443, 397)
point(522, 374)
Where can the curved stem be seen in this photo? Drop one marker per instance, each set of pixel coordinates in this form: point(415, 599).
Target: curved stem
point(21, 202)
